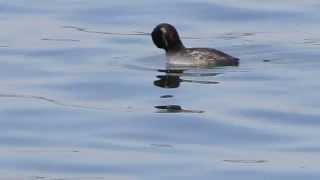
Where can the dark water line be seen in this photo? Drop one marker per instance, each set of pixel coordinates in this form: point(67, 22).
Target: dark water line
point(63, 40)
point(201, 82)
point(245, 161)
point(53, 101)
point(60, 103)
point(44, 151)
point(137, 33)
point(35, 177)
point(106, 33)
point(226, 36)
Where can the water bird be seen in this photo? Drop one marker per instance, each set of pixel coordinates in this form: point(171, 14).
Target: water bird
point(165, 36)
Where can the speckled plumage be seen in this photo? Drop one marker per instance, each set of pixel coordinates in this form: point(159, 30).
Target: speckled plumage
point(166, 37)
point(202, 56)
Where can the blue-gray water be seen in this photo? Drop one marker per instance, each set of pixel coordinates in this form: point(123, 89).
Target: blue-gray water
point(82, 93)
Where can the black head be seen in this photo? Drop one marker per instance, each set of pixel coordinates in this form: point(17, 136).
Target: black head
point(165, 36)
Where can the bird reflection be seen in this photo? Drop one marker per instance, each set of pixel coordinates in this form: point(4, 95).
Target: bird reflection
point(168, 81)
point(172, 78)
point(175, 109)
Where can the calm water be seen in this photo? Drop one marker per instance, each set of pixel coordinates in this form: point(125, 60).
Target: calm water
point(86, 95)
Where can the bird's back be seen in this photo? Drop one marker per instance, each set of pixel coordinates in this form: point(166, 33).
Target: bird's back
point(203, 56)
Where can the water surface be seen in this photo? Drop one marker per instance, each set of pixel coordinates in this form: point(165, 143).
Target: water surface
point(86, 95)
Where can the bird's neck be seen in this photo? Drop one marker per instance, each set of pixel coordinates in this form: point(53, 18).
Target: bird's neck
point(175, 49)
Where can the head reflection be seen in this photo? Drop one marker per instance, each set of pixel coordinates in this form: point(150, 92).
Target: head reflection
point(172, 78)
